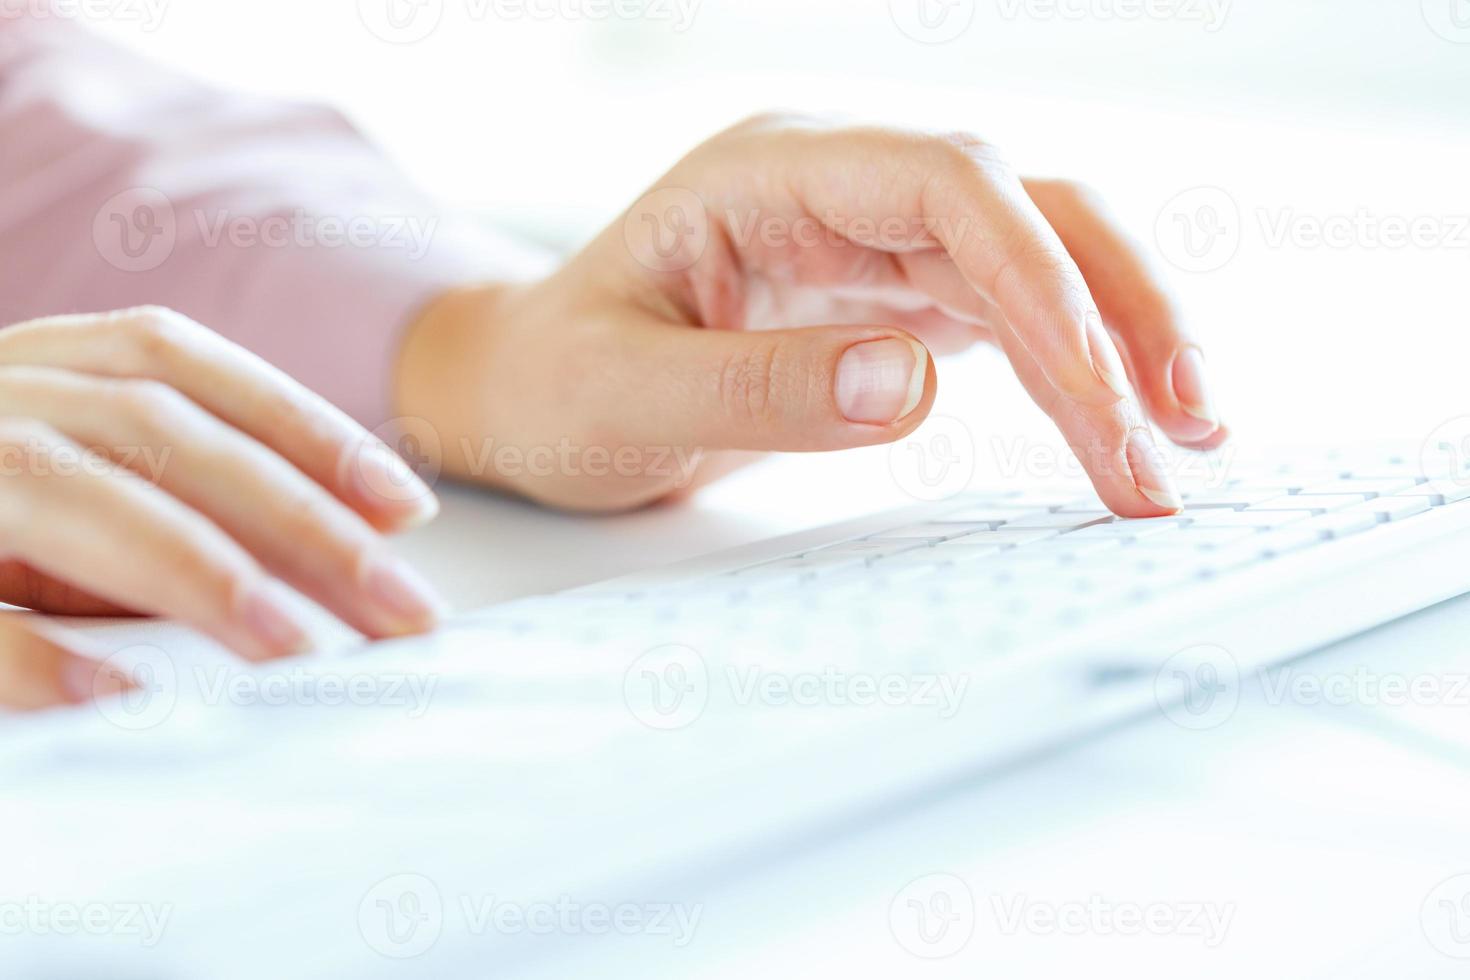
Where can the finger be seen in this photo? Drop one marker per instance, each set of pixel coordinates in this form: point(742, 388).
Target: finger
point(300, 532)
point(1094, 437)
point(42, 668)
point(21, 585)
point(974, 205)
point(933, 273)
point(1167, 366)
point(239, 388)
point(1113, 444)
point(73, 514)
point(808, 389)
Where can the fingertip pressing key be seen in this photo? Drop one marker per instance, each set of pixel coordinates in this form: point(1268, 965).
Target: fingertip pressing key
point(1150, 473)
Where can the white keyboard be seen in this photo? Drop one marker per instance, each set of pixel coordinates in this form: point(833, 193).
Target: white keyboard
point(996, 574)
point(651, 735)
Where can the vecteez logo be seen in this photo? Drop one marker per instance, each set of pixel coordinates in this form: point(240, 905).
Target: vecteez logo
point(402, 916)
point(401, 21)
point(1199, 230)
point(933, 916)
point(935, 462)
point(667, 688)
point(1198, 688)
point(932, 21)
point(1450, 19)
point(136, 230)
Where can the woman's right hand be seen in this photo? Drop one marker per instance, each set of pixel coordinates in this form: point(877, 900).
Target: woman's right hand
point(150, 466)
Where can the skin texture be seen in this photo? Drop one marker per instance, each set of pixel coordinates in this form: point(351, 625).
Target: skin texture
point(149, 466)
point(712, 318)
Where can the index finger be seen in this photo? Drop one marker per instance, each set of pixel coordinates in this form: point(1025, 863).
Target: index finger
point(974, 207)
point(971, 204)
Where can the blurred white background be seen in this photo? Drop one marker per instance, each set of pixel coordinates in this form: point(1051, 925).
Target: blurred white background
point(1344, 118)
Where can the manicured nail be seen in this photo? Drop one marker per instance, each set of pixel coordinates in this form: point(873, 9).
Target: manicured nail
point(267, 614)
point(881, 381)
point(1191, 388)
point(1106, 363)
point(1150, 474)
point(404, 594)
point(386, 483)
point(86, 680)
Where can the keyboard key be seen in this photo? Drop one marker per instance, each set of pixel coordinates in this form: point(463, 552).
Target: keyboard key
point(956, 552)
point(1440, 492)
point(870, 548)
point(930, 531)
point(988, 514)
point(1316, 503)
point(1089, 506)
point(1341, 523)
point(1229, 558)
point(813, 564)
point(1368, 487)
point(1191, 536)
point(1229, 497)
point(1247, 518)
point(1141, 528)
point(1007, 536)
point(1058, 522)
point(1392, 508)
point(1069, 547)
point(1289, 539)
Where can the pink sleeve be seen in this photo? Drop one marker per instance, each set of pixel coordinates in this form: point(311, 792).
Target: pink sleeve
point(123, 184)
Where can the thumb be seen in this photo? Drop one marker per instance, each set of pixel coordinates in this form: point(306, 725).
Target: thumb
point(797, 390)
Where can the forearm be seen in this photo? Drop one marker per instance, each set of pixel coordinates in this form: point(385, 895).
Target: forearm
point(275, 224)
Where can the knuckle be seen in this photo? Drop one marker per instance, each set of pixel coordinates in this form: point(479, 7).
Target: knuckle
point(748, 383)
point(321, 525)
point(220, 583)
point(156, 332)
point(18, 432)
point(1027, 261)
point(151, 405)
point(283, 410)
point(205, 563)
point(27, 503)
point(966, 152)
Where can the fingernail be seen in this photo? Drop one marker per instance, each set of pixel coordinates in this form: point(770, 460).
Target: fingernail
point(86, 680)
point(1106, 363)
point(267, 614)
point(386, 483)
point(404, 594)
point(1190, 386)
point(1149, 472)
point(881, 381)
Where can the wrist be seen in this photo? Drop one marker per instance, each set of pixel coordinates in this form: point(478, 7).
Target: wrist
point(442, 373)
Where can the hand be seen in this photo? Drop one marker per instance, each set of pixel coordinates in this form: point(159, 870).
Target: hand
point(149, 465)
point(780, 289)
